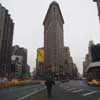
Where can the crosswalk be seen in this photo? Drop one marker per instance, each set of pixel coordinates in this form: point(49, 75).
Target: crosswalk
point(89, 93)
point(76, 90)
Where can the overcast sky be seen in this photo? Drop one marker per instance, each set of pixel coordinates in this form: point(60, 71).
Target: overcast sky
point(81, 25)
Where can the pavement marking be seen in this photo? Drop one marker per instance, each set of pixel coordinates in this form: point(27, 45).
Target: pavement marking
point(89, 93)
point(66, 88)
point(71, 89)
point(77, 91)
point(32, 93)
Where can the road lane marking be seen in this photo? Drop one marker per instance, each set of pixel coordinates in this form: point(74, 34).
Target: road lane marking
point(66, 88)
point(77, 91)
point(71, 89)
point(32, 93)
point(89, 93)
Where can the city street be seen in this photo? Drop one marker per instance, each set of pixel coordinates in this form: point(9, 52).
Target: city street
point(48, 40)
point(72, 90)
point(15, 93)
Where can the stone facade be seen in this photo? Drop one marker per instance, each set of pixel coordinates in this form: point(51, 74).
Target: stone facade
point(86, 63)
point(91, 65)
point(57, 59)
point(6, 38)
point(53, 37)
point(21, 56)
point(70, 69)
point(67, 60)
point(16, 66)
point(88, 58)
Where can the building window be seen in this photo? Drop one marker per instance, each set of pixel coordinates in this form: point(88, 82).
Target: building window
point(54, 9)
point(0, 33)
point(66, 61)
point(54, 51)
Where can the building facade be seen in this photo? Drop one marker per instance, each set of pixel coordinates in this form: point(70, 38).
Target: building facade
point(53, 38)
point(98, 6)
point(16, 66)
point(70, 69)
point(55, 59)
point(92, 58)
point(19, 57)
point(88, 58)
point(6, 38)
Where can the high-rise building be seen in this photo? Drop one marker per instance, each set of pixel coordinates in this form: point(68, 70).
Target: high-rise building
point(98, 5)
point(91, 66)
point(21, 53)
point(54, 59)
point(6, 38)
point(95, 52)
point(53, 38)
point(67, 60)
point(88, 58)
point(16, 66)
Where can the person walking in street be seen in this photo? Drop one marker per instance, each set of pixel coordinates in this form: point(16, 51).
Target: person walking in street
point(49, 83)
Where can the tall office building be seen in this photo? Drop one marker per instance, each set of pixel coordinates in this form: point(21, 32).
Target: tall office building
point(22, 52)
point(98, 5)
point(53, 38)
point(20, 68)
point(6, 38)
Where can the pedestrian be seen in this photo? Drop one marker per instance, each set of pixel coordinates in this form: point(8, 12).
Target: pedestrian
point(49, 83)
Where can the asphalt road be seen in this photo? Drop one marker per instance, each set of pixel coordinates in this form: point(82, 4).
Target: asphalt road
point(72, 90)
point(81, 89)
point(18, 93)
